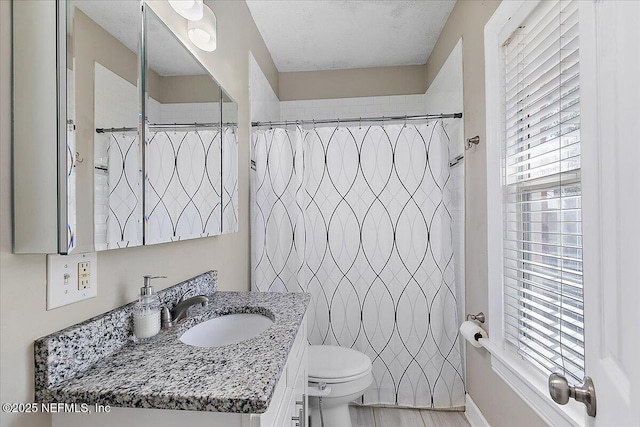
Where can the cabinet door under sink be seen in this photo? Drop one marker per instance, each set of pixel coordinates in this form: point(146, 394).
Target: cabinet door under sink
point(291, 388)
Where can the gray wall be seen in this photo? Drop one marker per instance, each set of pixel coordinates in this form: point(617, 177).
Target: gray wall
point(496, 400)
point(381, 81)
point(23, 314)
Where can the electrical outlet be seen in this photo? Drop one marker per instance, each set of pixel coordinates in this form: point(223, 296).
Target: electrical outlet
point(84, 275)
point(71, 278)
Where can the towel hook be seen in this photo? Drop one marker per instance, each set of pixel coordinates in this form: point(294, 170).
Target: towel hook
point(472, 141)
point(478, 317)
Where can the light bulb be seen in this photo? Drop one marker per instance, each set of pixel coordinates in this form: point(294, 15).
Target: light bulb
point(202, 33)
point(199, 36)
point(189, 9)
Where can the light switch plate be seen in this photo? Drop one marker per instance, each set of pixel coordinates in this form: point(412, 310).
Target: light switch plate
point(71, 278)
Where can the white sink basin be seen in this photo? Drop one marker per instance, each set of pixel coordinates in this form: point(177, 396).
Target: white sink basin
point(225, 330)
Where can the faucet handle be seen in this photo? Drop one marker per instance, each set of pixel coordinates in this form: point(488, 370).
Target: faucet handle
point(165, 317)
point(184, 295)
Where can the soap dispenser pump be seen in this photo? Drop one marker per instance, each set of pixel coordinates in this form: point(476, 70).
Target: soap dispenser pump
point(146, 312)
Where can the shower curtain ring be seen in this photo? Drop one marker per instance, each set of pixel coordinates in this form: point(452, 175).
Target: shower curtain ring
point(405, 120)
point(361, 122)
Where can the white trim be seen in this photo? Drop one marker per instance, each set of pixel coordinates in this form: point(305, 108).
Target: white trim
point(531, 385)
point(474, 415)
point(494, 185)
point(524, 379)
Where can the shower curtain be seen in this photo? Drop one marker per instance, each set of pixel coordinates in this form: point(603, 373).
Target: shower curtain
point(124, 186)
point(183, 185)
point(357, 216)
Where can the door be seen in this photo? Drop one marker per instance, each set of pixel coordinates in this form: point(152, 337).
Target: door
point(610, 103)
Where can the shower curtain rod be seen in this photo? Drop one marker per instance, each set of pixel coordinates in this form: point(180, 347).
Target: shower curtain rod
point(156, 126)
point(359, 119)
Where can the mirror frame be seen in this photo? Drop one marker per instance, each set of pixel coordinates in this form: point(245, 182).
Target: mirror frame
point(39, 196)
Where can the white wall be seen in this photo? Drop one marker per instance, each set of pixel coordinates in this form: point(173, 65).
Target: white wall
point(265, 105)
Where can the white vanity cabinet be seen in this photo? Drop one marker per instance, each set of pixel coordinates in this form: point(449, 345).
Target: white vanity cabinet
point(289, 403)
point(288, 407)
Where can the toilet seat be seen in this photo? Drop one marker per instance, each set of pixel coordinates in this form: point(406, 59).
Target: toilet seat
point(332, 364)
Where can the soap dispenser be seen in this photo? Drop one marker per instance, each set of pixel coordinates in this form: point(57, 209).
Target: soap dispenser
point(146, 312)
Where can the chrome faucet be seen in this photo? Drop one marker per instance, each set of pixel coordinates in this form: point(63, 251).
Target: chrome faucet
point(179, 312)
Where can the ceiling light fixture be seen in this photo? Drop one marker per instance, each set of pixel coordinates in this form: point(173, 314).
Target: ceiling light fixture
point(202, 33)
point(190, 9)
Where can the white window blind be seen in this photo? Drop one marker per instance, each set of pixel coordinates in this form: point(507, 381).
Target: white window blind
point(542, 247)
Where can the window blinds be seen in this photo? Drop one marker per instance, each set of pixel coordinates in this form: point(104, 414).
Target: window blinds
point(542, 250)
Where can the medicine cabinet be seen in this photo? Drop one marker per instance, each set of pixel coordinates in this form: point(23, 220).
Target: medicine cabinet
point(89, 173)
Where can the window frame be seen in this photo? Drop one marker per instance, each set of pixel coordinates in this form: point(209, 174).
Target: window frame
point(525, 379)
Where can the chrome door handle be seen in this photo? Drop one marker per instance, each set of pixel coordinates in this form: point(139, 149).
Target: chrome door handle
point(300, 421)
point(303, 411)
point(561, 391)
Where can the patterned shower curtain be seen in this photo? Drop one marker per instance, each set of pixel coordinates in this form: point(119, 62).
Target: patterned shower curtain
point(124, 182)
point(357, 216)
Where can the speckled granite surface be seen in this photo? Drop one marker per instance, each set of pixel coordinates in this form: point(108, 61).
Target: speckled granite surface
point(164, 373)
point(64, 354)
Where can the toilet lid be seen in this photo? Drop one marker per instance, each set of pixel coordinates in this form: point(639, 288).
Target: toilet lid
point(330, 364)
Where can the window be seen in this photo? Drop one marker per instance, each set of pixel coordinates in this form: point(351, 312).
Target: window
point(542, 245)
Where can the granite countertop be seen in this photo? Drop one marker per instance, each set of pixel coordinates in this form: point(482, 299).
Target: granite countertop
point(164, 373)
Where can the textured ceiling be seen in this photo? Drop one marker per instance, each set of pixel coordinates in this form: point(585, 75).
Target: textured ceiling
point(165, 55)
point(329, 35)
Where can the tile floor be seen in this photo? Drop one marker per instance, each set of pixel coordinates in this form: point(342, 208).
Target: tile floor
point(366, 416)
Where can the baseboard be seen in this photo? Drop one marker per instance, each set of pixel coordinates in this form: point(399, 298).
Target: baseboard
point(473, 414)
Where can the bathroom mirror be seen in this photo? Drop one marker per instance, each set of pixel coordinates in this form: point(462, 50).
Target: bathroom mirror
point(229, 164)
point(183, 141)
point(116, 183)
point(102, 112)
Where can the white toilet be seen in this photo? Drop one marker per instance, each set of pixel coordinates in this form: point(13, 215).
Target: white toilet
point(337, 375)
